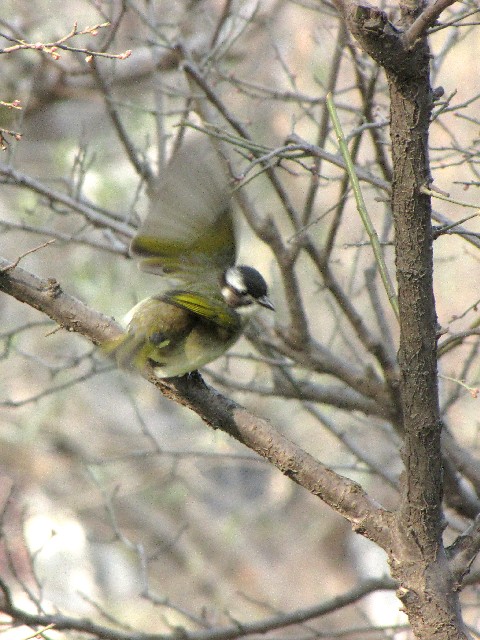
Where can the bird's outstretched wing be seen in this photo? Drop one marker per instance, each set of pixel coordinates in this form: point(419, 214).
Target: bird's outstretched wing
point(188, 232)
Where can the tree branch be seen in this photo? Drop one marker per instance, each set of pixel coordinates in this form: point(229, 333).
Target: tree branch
point(345, 496)
point(425, 20)
point(237, 630)
point(94, 216)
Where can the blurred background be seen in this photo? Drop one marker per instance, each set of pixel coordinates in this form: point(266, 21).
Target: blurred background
point(118, 504)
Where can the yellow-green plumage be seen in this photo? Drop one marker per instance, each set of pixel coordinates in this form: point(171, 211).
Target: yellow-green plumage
point(174, 338)
point(188, 238)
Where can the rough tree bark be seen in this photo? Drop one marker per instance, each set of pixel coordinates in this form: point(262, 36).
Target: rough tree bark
point(418, 558)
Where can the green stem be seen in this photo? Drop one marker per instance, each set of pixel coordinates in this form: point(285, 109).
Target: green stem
point(362, 209)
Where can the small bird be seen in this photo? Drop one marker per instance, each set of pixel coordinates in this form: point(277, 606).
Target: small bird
point(188, 238)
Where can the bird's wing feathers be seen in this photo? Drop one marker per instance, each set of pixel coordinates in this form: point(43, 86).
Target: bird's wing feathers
point(188, 233)
point(207, 307)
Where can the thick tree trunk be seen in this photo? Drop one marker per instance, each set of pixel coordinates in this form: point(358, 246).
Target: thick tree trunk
point(417, 556)
point(419, 563)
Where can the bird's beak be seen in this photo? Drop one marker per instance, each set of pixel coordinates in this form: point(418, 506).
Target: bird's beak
point(265, 302)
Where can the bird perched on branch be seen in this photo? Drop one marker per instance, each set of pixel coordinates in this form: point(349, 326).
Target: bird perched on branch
point(188, 238)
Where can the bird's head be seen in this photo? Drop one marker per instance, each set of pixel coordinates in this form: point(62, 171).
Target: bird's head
point(243, 287)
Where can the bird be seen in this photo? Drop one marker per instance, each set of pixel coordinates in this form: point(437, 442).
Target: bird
point(188, 238)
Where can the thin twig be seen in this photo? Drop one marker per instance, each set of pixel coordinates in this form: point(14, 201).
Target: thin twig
point(15, 264)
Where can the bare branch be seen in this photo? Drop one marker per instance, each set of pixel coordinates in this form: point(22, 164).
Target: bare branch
point(238, 630)
point(140, 164)
point(48, 297)
point(425, 20)
point(220, 413)
point(51, 48)
point(95, 217)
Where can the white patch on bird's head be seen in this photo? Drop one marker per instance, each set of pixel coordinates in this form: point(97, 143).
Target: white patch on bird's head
point(244, 287)
point(234, 279)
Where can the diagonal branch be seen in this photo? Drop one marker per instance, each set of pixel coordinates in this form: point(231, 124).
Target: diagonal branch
point(425, 20)
point(96, 217)
point(345, 496)
point(139, 163)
